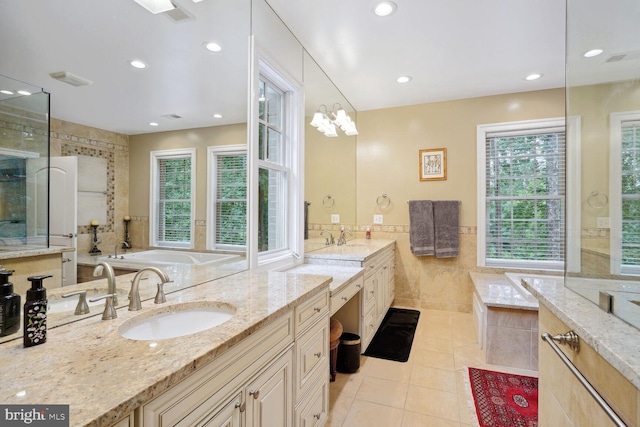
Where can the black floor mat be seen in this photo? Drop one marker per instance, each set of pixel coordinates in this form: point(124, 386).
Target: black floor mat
point(393, 339)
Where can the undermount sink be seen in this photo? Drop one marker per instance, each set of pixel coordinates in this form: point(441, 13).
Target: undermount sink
point(64, 305)
point(176, 321)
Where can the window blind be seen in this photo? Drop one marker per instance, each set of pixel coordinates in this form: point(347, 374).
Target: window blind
point(630, 176)
point(231, 200)
point(525, 189)
point(174, 200)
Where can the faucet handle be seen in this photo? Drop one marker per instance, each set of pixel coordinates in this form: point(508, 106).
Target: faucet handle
point(109, 310)
point(82, 307)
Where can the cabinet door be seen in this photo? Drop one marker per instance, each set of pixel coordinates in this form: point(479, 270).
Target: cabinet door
point(227, 415)
point(269, 396)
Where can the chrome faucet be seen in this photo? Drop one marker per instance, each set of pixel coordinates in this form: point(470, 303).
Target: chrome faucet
point(134, 295)
point(330, 240)
point(115, 249)
point(111, 279)
point(342, 240)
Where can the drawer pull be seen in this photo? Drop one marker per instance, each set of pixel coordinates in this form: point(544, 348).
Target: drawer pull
point(317, 416)
point(318, 354)
point(242, 406)
point(317, 309)
point(345, 298)
point(255, 394)
point(358, 285)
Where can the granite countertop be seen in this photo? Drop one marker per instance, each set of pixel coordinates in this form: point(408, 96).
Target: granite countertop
point(103, 376)
point(359, 250)
point(7, 252)
point(613, 339)
point(342, 276)
point(496, 290)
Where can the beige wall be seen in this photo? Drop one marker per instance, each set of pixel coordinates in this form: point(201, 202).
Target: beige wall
point(200, 139)
point(387, 162)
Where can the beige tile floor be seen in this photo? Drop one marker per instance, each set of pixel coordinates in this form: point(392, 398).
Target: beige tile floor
point(427, 391)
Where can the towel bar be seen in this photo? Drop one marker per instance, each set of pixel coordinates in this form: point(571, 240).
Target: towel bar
point(592, 391)
point(459, 202)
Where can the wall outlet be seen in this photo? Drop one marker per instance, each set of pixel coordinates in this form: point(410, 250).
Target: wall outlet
point(377, 219)
point(335, 218)
point(602, 222)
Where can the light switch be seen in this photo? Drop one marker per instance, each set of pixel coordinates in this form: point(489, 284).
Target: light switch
point(335, 218)
point(377, 219)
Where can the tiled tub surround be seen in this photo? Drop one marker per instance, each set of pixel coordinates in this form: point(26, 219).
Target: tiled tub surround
point(103, 376)
point(506, 321)
point(609, 358)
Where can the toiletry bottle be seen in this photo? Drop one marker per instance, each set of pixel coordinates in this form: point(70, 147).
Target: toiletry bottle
point(35, 313)
point(368, 233)
point(9, 305)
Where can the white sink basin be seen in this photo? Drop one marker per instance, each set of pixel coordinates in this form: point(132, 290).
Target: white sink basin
point(64, 305)
point(176, 321)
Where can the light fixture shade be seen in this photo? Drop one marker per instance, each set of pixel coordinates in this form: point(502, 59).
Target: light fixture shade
point(317, 119)
point(331, 131)
point(156, 6)
point(341, 117)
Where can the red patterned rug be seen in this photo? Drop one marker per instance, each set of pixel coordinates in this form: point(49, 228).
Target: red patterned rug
point(504, 400)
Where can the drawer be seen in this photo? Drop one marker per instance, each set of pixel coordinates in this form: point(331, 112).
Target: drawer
point(314, 409)
point(308, 312)
point(369, 294)
point(368, 327)
point(341, 298)
point(312, 355)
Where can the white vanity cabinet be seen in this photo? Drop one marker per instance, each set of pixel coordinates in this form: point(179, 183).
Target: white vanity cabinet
point(379, 292)
point(278, 376)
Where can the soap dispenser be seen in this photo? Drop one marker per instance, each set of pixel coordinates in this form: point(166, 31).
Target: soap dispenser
point(35, 313)
point(9, 305)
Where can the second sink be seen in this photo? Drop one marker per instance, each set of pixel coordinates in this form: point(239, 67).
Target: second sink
point(176, 321)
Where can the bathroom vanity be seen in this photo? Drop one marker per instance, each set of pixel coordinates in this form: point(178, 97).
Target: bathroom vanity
point(267, 365)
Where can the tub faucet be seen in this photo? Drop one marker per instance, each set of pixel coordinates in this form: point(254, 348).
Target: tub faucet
point(134, 294)
point(111, 279)
point(330, 240)
point(125, 245)
point(342, 240)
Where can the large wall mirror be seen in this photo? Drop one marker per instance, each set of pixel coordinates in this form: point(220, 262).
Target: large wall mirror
point(603, 92)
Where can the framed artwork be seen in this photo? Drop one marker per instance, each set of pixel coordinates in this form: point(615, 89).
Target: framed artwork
point(433, 164)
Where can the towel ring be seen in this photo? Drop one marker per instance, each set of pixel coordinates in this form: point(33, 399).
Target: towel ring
point(328, 201)
point(597, 200)
point(380, 201)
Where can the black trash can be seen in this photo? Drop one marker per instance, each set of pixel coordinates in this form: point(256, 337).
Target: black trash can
point(348, 353)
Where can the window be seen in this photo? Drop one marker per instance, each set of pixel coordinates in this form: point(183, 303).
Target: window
point(227, 198)
point(521, 188)
point(171, 198)
point(625, 193)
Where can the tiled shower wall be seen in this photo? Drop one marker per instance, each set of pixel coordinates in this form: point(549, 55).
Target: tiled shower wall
point(70, 139)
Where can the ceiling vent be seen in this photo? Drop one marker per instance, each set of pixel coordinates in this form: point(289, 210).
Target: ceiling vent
point(172, 116)
point(72, 79)
point(179, 15)
point(634, 54)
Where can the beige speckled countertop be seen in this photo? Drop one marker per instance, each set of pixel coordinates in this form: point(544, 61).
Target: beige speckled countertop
point(356, 250)
point(25, 251)
point(496, 290)
point(613, 339)
point(103, 376)
point(342, 276)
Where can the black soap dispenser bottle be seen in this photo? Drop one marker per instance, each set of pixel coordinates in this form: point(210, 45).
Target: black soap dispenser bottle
point(9, 305)
point(35, 313)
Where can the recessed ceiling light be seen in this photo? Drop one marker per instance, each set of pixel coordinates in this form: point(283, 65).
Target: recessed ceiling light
point(404, 79)
point(6, 92)
point(217, 116)
point(24, 92)
point(153, 124)
point(533, 76)
point(136, 63)
point(385, 8)
point(212, 47)
point(156, 6)
point(593, 52)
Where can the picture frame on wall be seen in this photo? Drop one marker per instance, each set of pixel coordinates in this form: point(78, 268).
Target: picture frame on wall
point(433, 164)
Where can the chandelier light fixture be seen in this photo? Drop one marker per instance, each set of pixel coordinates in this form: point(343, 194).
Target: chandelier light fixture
point(327, 122)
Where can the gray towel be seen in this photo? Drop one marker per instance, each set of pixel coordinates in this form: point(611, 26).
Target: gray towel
point(447, 235)
point(421, 236)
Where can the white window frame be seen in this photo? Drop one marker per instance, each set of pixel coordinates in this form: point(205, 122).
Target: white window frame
point(293, 144)
point(212, 188)
point(154, 195)
point(616, 121)
point(572, 243)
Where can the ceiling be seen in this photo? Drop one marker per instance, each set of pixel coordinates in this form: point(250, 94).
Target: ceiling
point(451, 49)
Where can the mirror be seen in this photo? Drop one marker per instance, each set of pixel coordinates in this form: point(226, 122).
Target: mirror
point(603, 91)
point(330, 162)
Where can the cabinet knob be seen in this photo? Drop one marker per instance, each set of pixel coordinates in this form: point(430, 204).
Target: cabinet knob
point(242, 406)
point(358, 285)
point(255, 393)
point(317, 309)
point(345, 298)
point(317, 416)
point(318, 354)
